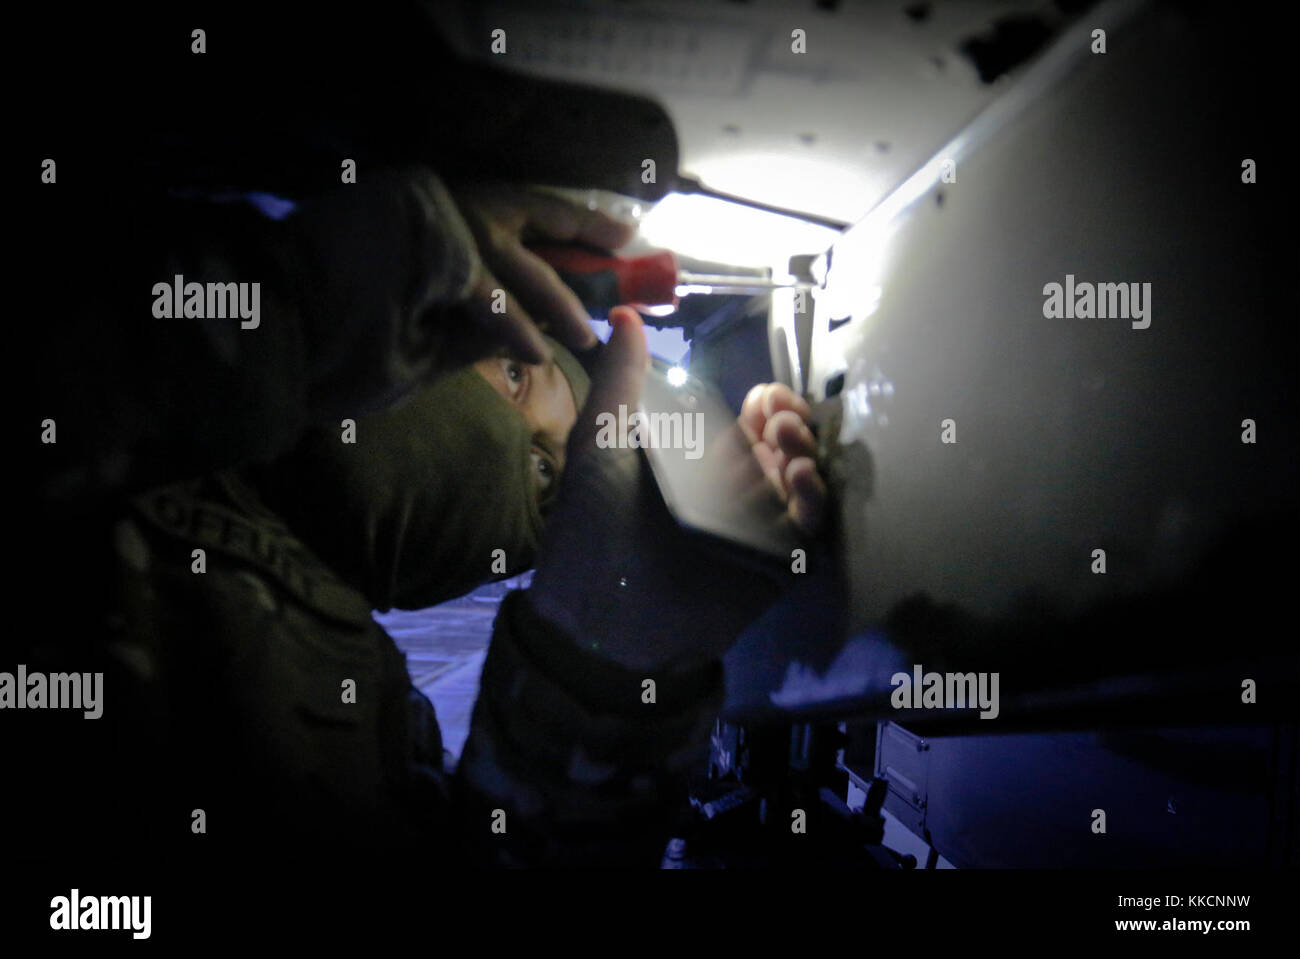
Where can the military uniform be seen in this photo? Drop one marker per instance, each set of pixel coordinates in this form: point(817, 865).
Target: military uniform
point(251, 698)
point(248, 663)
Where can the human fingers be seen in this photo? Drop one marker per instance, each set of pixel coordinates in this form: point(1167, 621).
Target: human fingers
point(542, 293)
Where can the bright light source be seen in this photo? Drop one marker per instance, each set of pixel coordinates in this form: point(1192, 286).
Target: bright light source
point(663, 309)
point(710, 229)
point(677, 376)
point(789, 179)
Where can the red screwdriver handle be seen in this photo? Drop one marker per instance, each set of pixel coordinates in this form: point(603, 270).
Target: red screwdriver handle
point(650, 279)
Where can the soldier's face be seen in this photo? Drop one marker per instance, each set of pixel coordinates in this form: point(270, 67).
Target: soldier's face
point(543, 397)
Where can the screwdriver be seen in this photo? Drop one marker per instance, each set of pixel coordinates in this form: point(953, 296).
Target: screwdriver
point(603, 281)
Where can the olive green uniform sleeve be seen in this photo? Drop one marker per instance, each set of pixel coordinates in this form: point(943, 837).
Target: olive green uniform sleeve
point(282, 709)
point(570, 761)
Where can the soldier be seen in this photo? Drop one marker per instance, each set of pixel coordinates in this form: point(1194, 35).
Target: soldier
point(274, 709)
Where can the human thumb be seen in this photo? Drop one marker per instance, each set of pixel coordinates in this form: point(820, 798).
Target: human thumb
point(594, 529)
point(620, 372)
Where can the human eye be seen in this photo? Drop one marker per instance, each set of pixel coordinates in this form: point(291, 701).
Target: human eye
point(516, 377)
point(544, 472)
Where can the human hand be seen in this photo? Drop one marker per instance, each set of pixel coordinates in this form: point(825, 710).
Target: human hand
point(774, 419)
point(504, 218)
point(615, 571)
